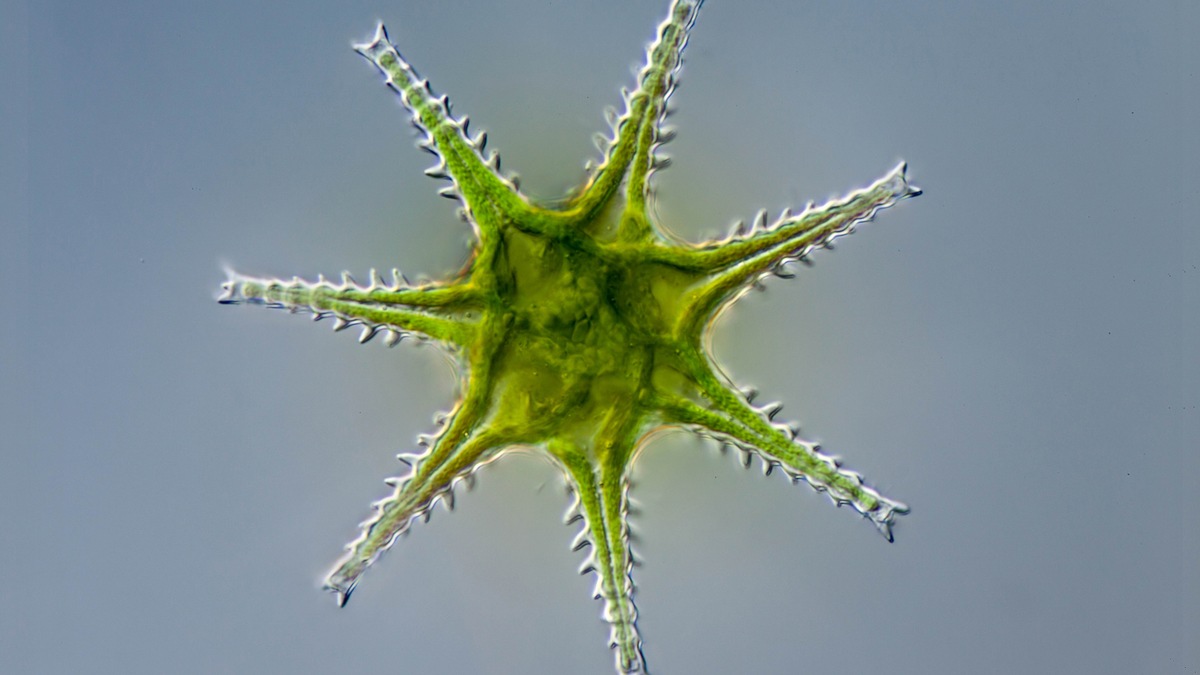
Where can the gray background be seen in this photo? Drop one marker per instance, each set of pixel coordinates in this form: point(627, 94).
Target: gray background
point(1014, 353)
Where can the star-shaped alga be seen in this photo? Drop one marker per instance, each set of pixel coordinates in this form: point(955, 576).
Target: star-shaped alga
point(580, 327)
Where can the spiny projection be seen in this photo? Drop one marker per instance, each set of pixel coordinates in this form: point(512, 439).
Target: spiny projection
point(575, 332)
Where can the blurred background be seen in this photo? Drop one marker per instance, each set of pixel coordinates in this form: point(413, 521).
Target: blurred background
point(1014, 354)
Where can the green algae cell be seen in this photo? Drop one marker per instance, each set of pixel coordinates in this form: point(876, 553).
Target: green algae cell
point(579, 328)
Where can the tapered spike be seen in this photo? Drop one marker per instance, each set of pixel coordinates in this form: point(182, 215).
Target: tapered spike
point(611, 117)
point(772, 409)
point(342, 596)
point(767, 466)
point(760, 220)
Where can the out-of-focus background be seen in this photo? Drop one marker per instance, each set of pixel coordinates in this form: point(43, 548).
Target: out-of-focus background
point(1014, 354)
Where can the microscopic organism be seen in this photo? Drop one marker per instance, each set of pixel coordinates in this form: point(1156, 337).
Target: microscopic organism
point(579, 327)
